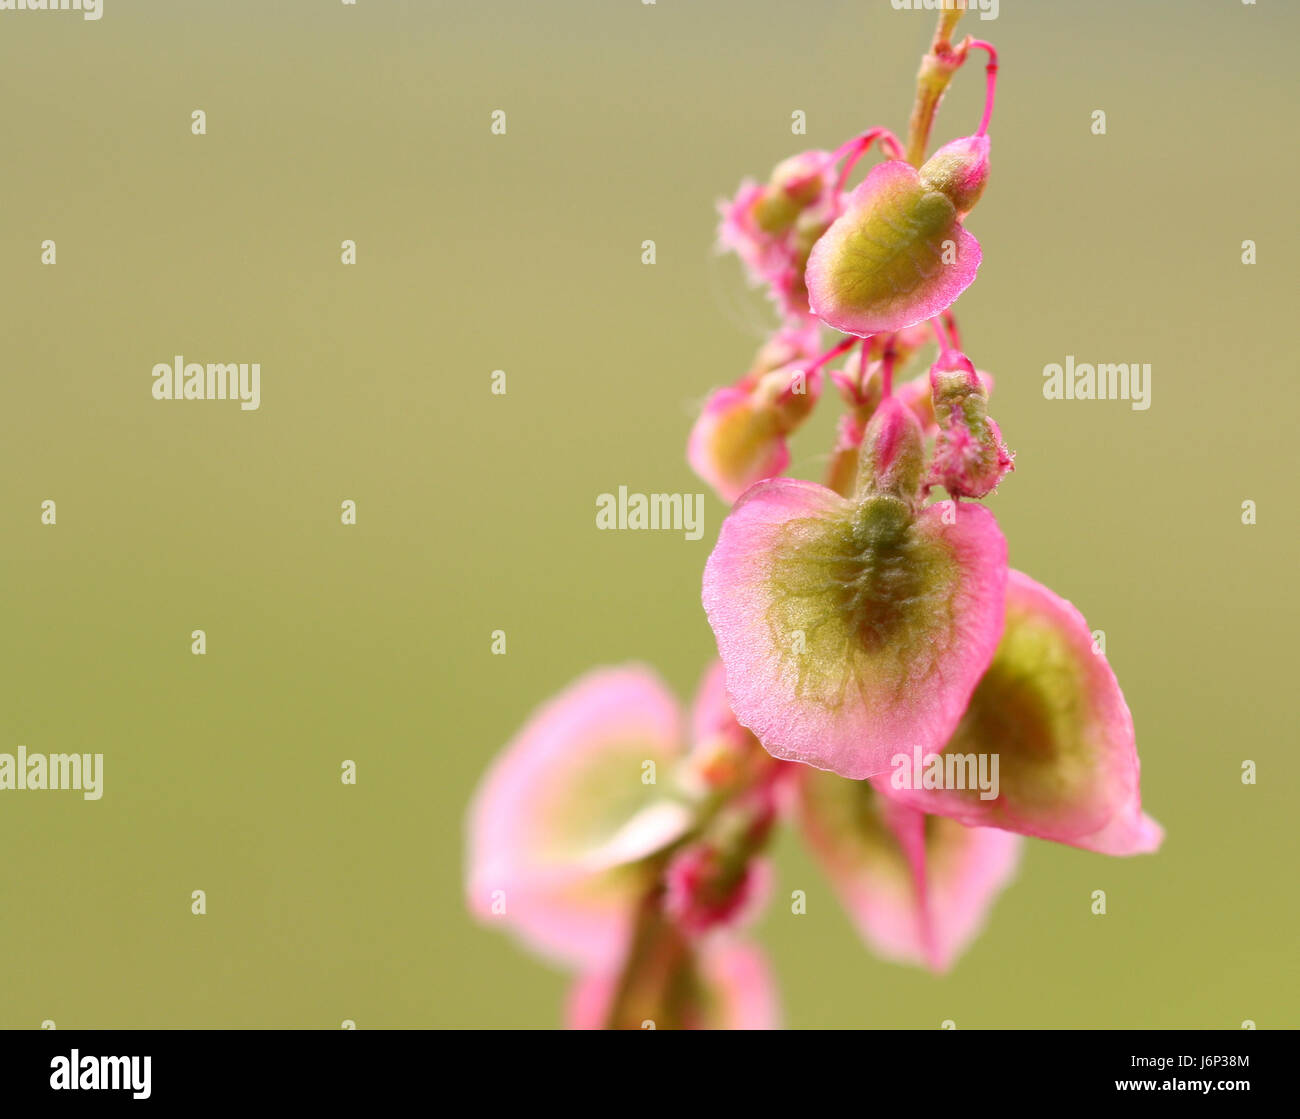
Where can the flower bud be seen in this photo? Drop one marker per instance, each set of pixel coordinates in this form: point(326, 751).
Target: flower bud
point(796, 184)
point(960, 170)
point(970, 458)
point(893, 453)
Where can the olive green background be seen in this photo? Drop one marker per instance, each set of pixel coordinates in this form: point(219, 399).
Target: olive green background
point(476, 512)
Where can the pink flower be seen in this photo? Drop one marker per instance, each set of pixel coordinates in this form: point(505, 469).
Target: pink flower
point(916, 394)
point(740, 436)
point(969, 458)
point(732, 989)
point(849, 626)
point(772, 228)
point(899, 254)
point(917, 887)
point(1049, 707)
point(861, 385)
point(562, 822)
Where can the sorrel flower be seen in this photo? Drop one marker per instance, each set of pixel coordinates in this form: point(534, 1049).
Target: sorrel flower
point(918, 887)
point(899, 254)
point(561, 824)
point(850, 625)
point(969, 457)
point(649, 918)
point(879, 659)
point(597, 836)
point(772, 228)
point(740, 436)
point(1050, 707)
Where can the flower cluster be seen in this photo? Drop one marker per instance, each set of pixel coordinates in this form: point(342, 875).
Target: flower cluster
point(876, 649)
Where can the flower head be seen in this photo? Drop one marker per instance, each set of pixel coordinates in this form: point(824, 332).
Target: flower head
point(1050, 709)
point(969, 458)
point(899, 253)
point(561, 824)
point(850, 625)
point(773, 227)
point(740, 436)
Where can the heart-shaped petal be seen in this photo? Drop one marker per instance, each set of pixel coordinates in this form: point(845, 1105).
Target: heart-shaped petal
point(560, 823)
point(851, 627)
point(1051, 711)
point(897, 255)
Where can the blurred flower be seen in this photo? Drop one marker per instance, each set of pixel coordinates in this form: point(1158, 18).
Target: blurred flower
point(917, 887)
point(772, 228)
point(562, 822)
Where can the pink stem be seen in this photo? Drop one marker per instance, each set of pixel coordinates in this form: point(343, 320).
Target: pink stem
point(887, 370)
point(991, 80)
point(950, 321)
point(856, 148)
point(830, 355)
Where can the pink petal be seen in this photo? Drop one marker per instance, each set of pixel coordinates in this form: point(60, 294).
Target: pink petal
point(738, 232)
point(898, 255)
point(562, 816)
point(1053, 713)
point(736, 442)
point(846, 628)
point(744, 993)
point(725, 757)
point(711, 711)
point(917, 887)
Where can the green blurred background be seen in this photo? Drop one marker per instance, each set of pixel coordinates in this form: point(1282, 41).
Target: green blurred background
point(476, 512)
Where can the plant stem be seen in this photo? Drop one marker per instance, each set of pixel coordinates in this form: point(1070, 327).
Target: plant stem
point(657, 978)
point(937, 69)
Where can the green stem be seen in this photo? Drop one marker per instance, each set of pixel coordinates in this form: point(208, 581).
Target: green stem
point(658, 978)
point(937, 69)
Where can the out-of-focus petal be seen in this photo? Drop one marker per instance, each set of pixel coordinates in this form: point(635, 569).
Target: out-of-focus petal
point(559, 823)
point(735, 442)
point(917, 887)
